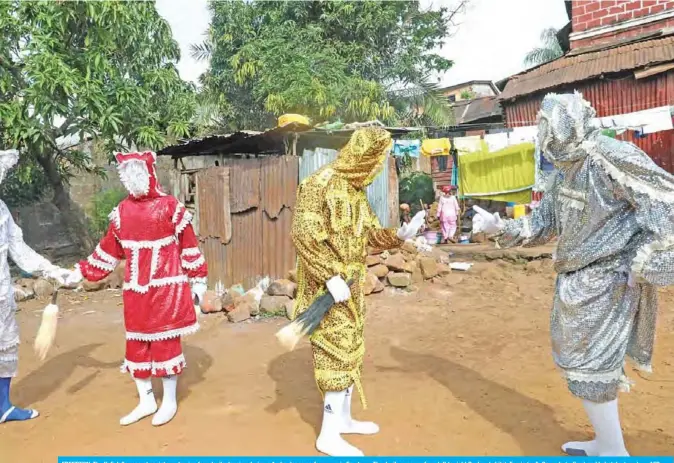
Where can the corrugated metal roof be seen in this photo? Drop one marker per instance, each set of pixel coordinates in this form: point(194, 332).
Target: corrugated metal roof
point(477, 109)
point(571, 69)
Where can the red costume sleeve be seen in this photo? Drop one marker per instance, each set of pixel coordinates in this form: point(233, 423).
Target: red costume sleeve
point(191, 258)
point(103, 261)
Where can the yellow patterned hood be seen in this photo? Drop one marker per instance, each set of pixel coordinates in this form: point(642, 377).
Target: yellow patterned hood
point(363, 156)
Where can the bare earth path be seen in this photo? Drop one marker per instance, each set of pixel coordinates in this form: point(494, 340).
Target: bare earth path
point(450, 370)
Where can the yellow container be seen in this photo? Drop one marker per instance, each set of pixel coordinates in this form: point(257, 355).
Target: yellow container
point(519, 211)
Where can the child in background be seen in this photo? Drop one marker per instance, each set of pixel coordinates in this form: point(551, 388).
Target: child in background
point(448, 213)
point(405, 214)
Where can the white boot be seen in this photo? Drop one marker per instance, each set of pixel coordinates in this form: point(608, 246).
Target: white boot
point(169, 404)
point(330, 441)
point(351, 426)
point(147, 404)
point(608, 441)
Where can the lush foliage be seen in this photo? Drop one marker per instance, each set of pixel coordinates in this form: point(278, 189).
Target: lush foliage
point(549, 50)
point(323, 59)
point(415, 187)
point(101, 205)
point(76, 69)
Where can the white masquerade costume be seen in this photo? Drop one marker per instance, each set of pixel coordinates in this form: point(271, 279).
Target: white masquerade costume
point(13, 246)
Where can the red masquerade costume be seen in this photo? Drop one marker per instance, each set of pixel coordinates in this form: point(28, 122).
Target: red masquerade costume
point(153, 232)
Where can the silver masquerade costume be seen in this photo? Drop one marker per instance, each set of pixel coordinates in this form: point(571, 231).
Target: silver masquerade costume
point(612, 210)
point(12, 244)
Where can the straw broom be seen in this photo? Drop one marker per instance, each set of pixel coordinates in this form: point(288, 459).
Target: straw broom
point(307, 322)
point(47, 332)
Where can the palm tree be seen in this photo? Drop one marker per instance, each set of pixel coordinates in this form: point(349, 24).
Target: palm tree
point(549, 50)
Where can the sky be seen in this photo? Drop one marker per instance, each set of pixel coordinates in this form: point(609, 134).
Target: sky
point(490, 42)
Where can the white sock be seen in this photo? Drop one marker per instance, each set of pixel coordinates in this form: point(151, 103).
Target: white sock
point(351, 426)
point(147, 404)
point(169, 405)
point(608, 441)
point(330, 441)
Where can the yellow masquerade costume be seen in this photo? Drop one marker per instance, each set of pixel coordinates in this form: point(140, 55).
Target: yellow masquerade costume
point(332, 227)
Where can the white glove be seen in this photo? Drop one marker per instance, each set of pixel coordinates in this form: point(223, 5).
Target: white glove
point(487, 223)
point(410, 230)
point(339, 289)
point(59, 274)
point(74, 277)
point(198, 290)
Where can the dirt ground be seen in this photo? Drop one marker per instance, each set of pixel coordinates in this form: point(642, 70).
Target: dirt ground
point(460, 369)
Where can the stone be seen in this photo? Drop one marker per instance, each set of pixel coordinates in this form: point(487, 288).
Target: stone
point(22, 293)
point(478, 238)
point(116, 279)
point(370, 284)
point(379, 287)
point(229, 300)
point(399, 280)
point(273, 304)
point(409, 247)
point(43, 288)
point(239, 314)
point(417, 277)
point(211, 303)
point(380, 270)
point(371, 261)
point(444, 270)
point(93, 286)
point(453, 279)
point(289, 308)
point(26, 283)
point(292, 276)
point(282, 288)
point(396, 263)
point(429, 268)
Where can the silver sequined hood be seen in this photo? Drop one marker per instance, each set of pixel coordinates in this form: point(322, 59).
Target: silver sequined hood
point(564, 123)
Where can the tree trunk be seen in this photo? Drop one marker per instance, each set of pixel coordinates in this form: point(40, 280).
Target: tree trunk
point(73, 219)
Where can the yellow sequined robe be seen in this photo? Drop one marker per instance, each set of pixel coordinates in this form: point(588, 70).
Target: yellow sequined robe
point(332, 227)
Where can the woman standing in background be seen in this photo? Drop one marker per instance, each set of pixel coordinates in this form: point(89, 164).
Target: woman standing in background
point(448, 213)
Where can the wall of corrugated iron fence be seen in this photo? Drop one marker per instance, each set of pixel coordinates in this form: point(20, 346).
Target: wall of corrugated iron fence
point(613, 97)
point(377, 193)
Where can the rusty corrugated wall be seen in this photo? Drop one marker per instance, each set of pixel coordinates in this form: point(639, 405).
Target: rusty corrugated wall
point(613, 97)
point(260, 195)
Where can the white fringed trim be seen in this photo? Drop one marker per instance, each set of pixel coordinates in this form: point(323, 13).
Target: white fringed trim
point(150, 337)
point(133, 274)
point(9, 358)
point(154, 244)
point(645, 253)
point(187, 252)
point(198, 280)
point(105, 256)
point(624, 178)
point(577, 195)
point(187, 218)
point(193, 265)
point(155, 283)
point(99, 264)
point(169, 365)
point(526, 229)
point(591, 377)
point(132, 367)
point(114, 218)
point(176, 213)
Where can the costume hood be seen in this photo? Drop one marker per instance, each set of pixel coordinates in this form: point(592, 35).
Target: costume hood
point(138, 174)
point(363, 156)
point(564, 123)
point(8, 159)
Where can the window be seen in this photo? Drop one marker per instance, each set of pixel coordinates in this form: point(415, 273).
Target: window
point(442, 163)
point(452, 98)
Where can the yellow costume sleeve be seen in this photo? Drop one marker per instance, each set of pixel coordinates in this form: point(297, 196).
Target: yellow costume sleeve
point(380, 238)
point(309, 233)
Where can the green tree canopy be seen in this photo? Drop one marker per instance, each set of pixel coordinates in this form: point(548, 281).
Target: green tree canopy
point(78, 69)
point(549, 50)
point(324, 59)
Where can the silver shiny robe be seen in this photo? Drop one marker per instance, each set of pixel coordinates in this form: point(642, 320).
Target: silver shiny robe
point(612, 210)
point(12, 245)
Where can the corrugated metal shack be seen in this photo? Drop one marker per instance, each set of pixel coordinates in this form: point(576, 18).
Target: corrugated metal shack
point(241, 189)
point(616, 78)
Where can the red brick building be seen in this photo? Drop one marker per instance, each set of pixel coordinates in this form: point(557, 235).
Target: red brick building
point(620, 56)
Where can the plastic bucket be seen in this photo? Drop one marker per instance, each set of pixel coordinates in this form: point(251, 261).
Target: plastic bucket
point(432, 237)
point(519, 211)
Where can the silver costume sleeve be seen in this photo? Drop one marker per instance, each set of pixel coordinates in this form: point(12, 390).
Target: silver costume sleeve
point(654, 260)
point(536, 229)
point(22, 254)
